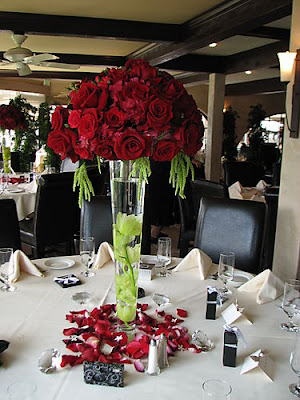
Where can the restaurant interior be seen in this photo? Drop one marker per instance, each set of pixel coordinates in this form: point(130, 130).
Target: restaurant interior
point(242, 197)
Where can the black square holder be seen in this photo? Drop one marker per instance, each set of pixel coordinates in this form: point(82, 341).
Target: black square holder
point(97, 373)
point(229, 349)
point(211, 303)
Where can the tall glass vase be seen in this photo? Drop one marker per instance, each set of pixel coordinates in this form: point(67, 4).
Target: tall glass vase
point(6, 155)
point(127, 200)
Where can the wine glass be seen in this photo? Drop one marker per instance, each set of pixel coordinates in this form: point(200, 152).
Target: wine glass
point(291, 303)
point(164, 249)
point(7, 268)
point(226, 268)
point(295, 364)
point(87, 255)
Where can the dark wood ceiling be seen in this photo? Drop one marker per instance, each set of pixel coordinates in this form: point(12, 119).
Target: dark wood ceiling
point(176, 47)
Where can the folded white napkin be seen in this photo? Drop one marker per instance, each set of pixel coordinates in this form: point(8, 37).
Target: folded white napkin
point(22, 263)
point(235, 191)
point(261, 185)
point(267, 286)
point(105, 253)
point(196, 258)
point(31, 187)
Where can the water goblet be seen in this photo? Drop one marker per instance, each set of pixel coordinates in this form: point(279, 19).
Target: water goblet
point(226, 268)
point(216, 389)
point(291, 304)
point(164, 249)
point(87, 255)
point(295, 365)
point(7, 268)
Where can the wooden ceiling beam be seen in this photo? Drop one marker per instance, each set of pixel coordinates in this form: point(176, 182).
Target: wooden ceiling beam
point(268, 32)
point(260, 57)
point(254, 87)
point(72, 75)
point(228, 19)
point(196, 63)
point(59, 25)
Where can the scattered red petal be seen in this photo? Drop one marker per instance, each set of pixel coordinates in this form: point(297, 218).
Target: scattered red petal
point(139, 366)
point(181, 313)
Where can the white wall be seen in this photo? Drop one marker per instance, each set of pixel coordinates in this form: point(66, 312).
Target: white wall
point(286, 255)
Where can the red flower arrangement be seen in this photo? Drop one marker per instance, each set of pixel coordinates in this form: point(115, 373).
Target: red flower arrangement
point(98, 328)
point(130, 113)
point(11, 118)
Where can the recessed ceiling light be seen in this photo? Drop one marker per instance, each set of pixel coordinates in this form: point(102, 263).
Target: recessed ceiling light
point(213, 44)
point(248, 72)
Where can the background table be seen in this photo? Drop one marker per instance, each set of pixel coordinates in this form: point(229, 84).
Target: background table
point(25, 202)
point(33, 318)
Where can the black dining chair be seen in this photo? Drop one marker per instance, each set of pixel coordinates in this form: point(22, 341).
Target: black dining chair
point(96, 219)
point(189, 207)
point(232, 225)
point(247, 173)
point(9, 228)
point(54, 217)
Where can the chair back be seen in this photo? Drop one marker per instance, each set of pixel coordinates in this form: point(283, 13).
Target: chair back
point(232, 225)
point(206, 188)
point(55, 209)
point(9, 227)
point(96, 219)
point(247, 173)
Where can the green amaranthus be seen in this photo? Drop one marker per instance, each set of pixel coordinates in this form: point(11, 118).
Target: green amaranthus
point(181, 165)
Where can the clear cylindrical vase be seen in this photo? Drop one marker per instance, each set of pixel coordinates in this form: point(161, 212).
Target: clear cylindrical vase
point(127, 200)
point(6, 155)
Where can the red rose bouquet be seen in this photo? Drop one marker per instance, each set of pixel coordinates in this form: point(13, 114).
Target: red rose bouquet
point(11, 118)
point(129, 113)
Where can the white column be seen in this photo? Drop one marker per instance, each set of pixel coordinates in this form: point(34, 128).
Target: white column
point(286, 252)
point(213, 150)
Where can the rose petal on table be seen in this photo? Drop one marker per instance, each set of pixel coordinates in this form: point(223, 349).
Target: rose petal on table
point(139, 366)
point(181, 313)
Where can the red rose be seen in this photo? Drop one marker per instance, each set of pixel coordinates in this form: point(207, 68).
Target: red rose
point(105, 149)
point(74, 118)
point(172, 90)
point(83, 150)
point(58, 118)
point(135, 90)
point(192, 139)
point(165, 150)
point(130, 145)
point(115, 118)
point(159, 114)
point(62, 142)
point(87, 125)
point(141, 69)
point(117, 74)
point(85, 96)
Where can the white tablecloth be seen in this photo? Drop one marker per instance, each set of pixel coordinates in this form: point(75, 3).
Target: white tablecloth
point(33, 318)
point(25, 202)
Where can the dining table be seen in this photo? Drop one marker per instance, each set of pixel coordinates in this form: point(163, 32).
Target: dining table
point(24, 198)
point(33, 318)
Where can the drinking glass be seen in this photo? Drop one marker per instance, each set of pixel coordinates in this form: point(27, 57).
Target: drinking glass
point(295, 364)
point(216, 389)
point(87, 255)
point(291, 303)
point(164, 249)
point(7, 268)
point(226, 268)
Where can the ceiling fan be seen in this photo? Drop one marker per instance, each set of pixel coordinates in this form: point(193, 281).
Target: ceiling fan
point(22, 57)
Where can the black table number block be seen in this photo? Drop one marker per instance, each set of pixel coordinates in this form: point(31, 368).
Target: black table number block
point(230, 349)
point(211, 304)
point(97, 373)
